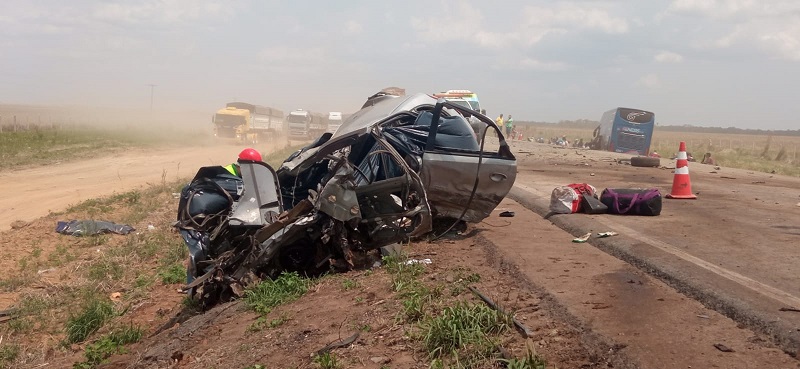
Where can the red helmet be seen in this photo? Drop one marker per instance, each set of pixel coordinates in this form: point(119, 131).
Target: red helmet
point(250, 154)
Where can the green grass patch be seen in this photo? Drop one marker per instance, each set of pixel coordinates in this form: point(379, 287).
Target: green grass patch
point(8, 353)
point(530, 361)
point(143, 281)
point(110, 344)
point(270, 293)
point(95, 314)
point(327, 361)
point(465, 327)
point(173, 274)
point(349, 284)
point(60, 256)
point(105, 269)
point(16, 281)
point(29, 312)
point(404, 274)
point(463, 278)
point(262, 323)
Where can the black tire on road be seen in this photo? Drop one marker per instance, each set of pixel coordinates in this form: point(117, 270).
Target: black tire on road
point(645, 161)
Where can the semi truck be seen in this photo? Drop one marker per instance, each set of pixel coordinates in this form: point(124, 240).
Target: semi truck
point(334, 121)
point(304, 124)
point(245, 122)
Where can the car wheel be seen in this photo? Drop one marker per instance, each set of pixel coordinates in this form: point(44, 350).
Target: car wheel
point(645, 161)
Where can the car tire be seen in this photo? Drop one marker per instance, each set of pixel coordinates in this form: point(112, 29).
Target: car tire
point(645, 161)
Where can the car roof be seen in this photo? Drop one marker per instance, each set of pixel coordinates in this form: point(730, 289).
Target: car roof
point(362, 120)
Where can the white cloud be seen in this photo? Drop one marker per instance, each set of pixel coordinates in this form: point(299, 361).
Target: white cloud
point(573, 17)
point(466, 23)
point(160, 11)
point(768, 25)
point(649, 81)
point(785, 43)
point(284, 54)
point(538, 65)
point(668, 57)
point(353, 27)
point(458, 24)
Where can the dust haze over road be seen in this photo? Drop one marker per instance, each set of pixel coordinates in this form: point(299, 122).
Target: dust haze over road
point(32, 193)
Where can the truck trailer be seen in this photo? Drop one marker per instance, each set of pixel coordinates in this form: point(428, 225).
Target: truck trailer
point(249, 123)
point(304, 124)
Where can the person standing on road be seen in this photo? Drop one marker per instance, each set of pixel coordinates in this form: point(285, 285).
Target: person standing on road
point(509, 126)
point(499, 121)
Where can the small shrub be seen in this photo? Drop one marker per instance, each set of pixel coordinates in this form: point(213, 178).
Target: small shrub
point(93, 317)
point(270, 293)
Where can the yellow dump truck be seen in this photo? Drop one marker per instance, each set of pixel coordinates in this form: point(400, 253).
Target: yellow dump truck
point(249, 123)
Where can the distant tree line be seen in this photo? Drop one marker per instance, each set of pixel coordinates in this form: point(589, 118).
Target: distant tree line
point(591, 124)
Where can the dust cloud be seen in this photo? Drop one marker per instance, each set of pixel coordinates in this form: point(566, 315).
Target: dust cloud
point(178, 126)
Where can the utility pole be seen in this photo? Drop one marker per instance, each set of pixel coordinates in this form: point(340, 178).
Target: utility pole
point(152, 86)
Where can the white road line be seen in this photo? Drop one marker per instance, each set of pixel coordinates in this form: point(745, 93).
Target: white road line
point(766, 290)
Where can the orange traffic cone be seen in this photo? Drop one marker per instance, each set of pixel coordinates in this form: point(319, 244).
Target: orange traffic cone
point(681, 184)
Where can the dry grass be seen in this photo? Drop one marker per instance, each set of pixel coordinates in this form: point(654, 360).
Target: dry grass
point(763, 153)
point(75, 304)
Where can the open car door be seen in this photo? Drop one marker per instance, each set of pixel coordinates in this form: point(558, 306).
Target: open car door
point(458, 172)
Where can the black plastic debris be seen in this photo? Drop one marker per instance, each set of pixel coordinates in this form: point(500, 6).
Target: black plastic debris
point(91, 228)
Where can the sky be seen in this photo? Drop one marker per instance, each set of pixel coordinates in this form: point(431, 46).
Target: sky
point(724, 63)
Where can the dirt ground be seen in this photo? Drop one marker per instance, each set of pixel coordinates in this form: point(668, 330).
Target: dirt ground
point(587, 309)
point(34, 192)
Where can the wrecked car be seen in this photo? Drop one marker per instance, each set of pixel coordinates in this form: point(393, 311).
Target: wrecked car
point(380, 179)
